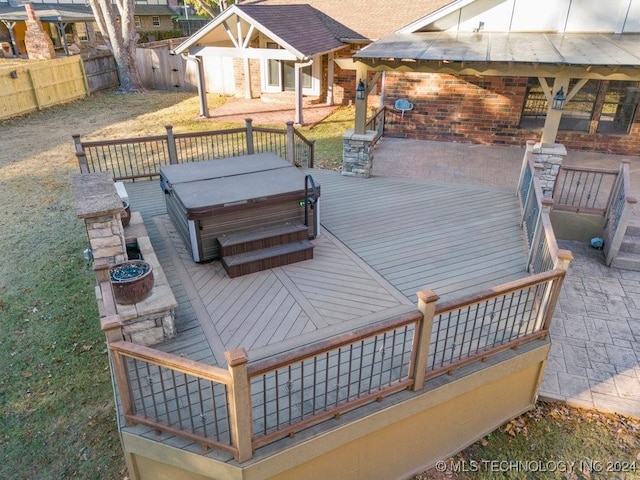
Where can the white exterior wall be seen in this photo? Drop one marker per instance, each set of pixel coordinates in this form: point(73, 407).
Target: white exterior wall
point(610, 16)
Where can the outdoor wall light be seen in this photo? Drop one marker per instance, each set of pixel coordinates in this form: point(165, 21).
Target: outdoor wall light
point(558, 100)
point(13, 74)
point(360, 91)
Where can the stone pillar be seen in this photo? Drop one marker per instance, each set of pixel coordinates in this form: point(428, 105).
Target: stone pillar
point(357, 153)
point(39, 45)
point(99, 205)
point(549, 160)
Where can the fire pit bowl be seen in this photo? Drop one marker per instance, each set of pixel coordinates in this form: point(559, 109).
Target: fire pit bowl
point(132, 281)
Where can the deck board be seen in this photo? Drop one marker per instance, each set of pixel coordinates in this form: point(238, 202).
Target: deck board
point(383, 240)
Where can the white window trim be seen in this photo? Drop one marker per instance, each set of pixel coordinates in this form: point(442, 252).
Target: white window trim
point(314, 90)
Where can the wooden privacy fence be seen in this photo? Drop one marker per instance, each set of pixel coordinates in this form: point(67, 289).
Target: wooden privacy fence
point(252, 404)
point(134, 158)
point(37, 85)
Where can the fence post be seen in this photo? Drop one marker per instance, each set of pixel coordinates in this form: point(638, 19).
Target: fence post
point(240, 404)
point(290, 143)
point(80, 155)
point(427, 305)
point(171, 145)
point(249, 125)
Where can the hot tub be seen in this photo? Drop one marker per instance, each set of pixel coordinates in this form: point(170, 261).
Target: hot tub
point(208, 199)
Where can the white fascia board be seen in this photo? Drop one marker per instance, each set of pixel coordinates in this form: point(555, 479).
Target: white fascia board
point(432, 17)
point(263, 53)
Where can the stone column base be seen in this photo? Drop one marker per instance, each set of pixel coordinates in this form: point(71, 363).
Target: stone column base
point(357, 153)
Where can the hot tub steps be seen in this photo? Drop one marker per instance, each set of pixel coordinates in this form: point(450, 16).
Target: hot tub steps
point(262, 237)
point(266, 258)
point(266, 247)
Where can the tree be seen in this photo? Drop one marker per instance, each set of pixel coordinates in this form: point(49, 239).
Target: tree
point(210, 7)
point(116, 24)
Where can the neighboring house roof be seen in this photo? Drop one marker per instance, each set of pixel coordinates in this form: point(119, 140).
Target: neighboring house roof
point(371, 19)
point(300, 29)
point(48, 12)
point(154, 10)
point(514, 47)
point(53, 12)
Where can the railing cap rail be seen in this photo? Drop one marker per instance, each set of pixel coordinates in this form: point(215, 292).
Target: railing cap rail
point(499, 290)
point(173, 362)
point(302, 353)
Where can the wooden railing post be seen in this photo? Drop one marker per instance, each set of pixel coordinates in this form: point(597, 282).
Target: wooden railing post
point(171, 145)
point(80, 154)
point(249, 125)
point(427, 305)
point(240, 404)
point(291, 156)
point(122, 382)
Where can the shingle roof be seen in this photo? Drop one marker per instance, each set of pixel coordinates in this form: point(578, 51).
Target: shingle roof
point(370, 19)
point(303, 27)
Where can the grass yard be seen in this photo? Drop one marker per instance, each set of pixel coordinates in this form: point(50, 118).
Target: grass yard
point(57, 416)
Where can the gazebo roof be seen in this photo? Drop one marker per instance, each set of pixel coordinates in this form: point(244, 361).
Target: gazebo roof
point(301, 30)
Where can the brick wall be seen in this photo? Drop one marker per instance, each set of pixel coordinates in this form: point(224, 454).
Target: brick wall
point(473, 109)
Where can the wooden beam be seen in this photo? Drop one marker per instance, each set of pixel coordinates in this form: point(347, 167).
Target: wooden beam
point(239, 52)
point(495, 69)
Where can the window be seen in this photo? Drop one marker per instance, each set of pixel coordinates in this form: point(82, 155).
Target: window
point(136, 21)
point(155, 21)
point(281, 73)
point(619, 107)
point(607, 106)
point(81, 31)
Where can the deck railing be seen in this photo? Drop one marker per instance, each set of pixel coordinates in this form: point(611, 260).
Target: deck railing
point(376, 123)
point(544, 253)
point(134, 158)
point(256, 403)
point(472, 328)
point(582, 189)
point(617, 214)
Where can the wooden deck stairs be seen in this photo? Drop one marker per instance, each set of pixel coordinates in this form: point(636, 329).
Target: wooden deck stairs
point(628, 257)
point(264, 248)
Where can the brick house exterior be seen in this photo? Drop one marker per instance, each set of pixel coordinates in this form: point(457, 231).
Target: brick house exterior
point(484, 110)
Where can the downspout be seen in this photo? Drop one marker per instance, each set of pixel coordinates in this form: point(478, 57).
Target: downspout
point(298, 87)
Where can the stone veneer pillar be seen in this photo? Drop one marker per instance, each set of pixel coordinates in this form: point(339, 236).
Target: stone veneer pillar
point(38, 44)
point(549, 160)
point(99, 205)
point(357, 153)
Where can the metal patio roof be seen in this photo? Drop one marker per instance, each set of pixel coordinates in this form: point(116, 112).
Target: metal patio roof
point(583, 49)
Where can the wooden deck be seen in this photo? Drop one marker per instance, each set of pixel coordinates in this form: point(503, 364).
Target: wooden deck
point(383, 240)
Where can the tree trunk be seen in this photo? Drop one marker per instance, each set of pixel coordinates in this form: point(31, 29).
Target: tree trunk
point(117, 29)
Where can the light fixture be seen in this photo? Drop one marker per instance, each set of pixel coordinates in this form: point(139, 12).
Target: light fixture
point(13, 74)
point(360, 91)
point(558, 100)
